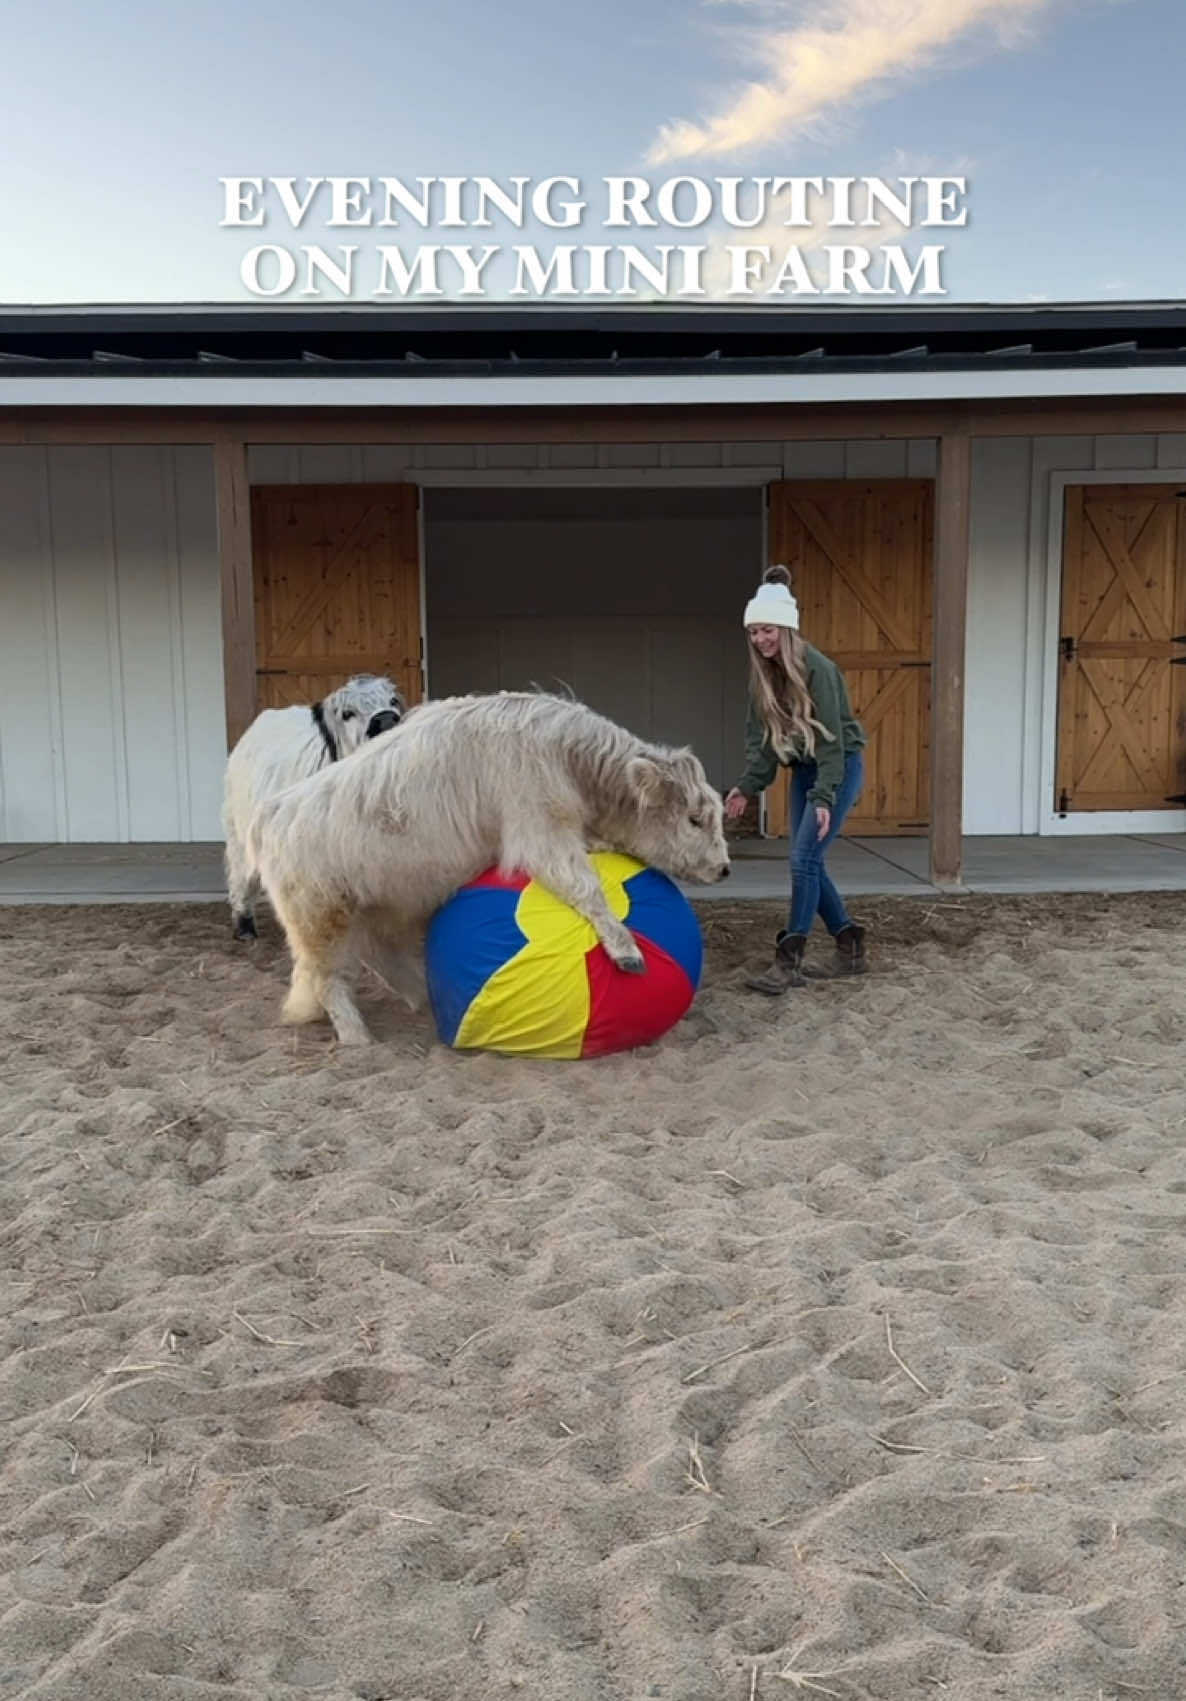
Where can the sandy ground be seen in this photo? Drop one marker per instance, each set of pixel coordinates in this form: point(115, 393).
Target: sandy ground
point(835, 1346)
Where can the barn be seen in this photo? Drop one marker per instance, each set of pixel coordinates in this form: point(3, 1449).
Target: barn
point(207, 509)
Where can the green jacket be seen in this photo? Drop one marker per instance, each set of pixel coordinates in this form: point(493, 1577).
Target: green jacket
point(829, 696)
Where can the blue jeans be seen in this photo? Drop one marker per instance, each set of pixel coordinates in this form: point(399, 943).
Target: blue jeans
point(812, 891)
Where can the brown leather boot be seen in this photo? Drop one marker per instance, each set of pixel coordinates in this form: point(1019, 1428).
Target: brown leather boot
point(787, 968)
point(848, 958)
point(850, 950)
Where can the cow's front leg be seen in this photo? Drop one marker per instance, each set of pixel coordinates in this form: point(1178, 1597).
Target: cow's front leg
point(566, 871)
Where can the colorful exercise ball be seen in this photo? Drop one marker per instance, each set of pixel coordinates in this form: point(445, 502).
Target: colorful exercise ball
point(513, 969)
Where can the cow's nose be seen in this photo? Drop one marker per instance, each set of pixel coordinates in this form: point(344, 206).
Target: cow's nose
point(382, 722)
point(724, 874)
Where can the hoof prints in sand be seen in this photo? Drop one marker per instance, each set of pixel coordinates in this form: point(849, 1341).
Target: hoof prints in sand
point(833, 1346)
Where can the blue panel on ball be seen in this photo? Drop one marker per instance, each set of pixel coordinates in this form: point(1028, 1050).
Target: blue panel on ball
point(468, 940)
point(661, 913)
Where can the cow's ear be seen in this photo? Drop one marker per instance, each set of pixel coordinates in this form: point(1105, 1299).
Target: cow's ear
point(646, 778)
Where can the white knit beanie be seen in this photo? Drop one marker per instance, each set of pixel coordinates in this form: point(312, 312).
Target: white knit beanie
point(772, 604)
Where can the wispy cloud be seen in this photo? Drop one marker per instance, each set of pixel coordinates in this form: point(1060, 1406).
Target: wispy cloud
point(818, 58)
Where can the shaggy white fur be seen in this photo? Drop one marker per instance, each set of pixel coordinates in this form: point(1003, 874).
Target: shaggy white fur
point(368, 849)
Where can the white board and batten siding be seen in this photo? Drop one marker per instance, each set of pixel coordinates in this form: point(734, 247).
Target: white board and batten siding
point(1013, 604)
point(111, 685)
point(111, 689)
point(586, 463)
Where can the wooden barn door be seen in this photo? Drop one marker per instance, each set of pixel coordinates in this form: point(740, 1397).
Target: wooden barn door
point(1122, 684)
point(860, 557)
point(337, 588)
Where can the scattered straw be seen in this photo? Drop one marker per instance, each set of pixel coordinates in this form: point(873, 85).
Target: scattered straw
point(563, 1447)
point(751, 1346)
point(909, 1581)
point(663, 1535)
point(809, 1680)
point(796, 1438)
point(472, 1337)
point(753, 1683)
point(409, 1518)
point(1156, 1383)
point(268, 1340)
point(166, 1126)
point(727, 1176)
point(347, 1233)
point(124, 1370)
point(74, 1457)
point(962, 1458)
point(695, 1472)
point(889, 1341)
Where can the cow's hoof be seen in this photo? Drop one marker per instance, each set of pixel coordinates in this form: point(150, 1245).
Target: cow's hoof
point(352, 1036)
point(244, 926)
point(631, 965)
point(301, 1007)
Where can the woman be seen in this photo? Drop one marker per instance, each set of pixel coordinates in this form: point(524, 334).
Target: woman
point(800, 716)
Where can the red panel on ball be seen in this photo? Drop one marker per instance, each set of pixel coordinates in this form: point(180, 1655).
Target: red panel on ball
point(630, 1010)
point(516, 882)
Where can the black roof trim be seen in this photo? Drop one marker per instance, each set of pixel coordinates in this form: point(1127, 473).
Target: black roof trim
point(545, 339)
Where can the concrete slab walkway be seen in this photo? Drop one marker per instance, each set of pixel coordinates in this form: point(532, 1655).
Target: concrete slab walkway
point(169, 873)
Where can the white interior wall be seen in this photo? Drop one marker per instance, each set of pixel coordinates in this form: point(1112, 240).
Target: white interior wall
point(631, 599)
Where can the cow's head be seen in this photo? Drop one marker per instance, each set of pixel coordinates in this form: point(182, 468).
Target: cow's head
point(362, 708)
point(675, 822)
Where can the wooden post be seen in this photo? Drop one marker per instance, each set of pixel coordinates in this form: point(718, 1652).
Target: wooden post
point(950, 608)
point(238, 584)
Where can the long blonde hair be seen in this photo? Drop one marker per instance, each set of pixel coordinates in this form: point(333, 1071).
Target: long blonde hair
point(779, 688)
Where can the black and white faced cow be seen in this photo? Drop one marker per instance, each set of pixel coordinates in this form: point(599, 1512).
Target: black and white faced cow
point(282, 746)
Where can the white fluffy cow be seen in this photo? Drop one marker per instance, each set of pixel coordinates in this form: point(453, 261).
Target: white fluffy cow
point(282, 746)
point(366, 850)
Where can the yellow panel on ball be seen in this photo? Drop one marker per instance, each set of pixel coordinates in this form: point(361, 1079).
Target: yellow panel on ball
point(512, 968)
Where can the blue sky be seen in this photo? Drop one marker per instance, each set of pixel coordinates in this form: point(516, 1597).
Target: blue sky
point(1065, 116)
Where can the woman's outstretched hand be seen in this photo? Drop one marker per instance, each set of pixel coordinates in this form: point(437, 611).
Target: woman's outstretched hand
point(736, 805)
